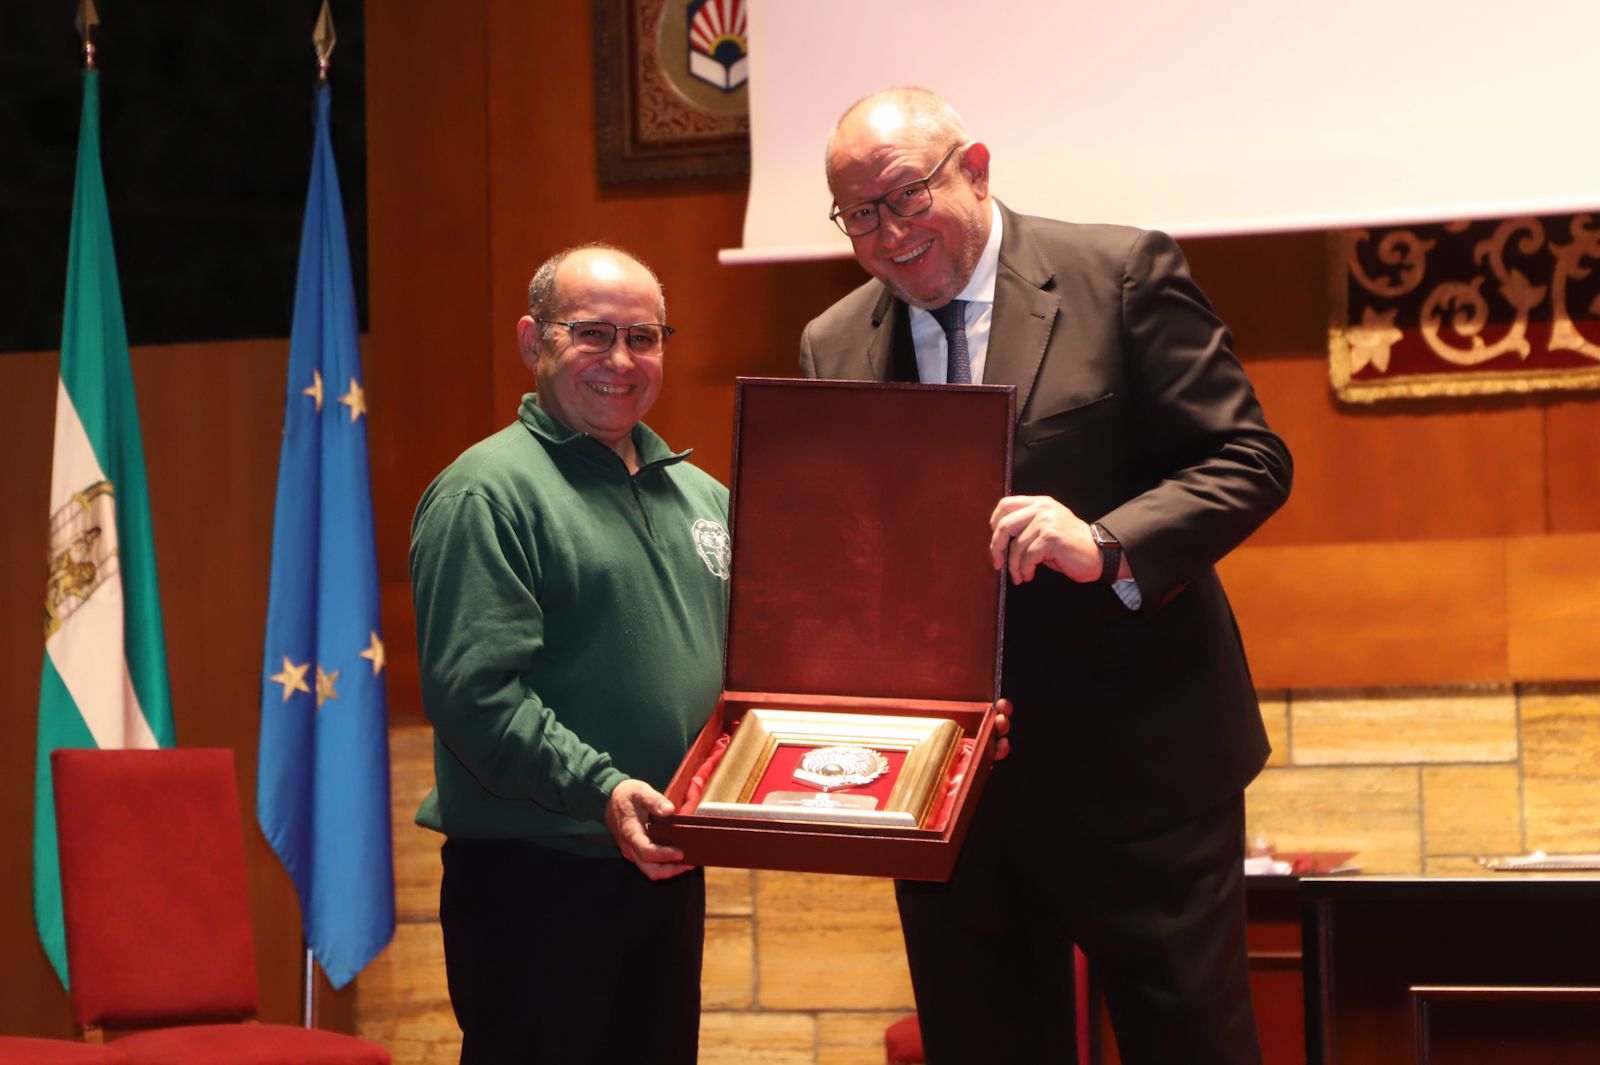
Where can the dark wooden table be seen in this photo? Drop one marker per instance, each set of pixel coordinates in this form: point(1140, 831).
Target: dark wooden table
point(1503, 968)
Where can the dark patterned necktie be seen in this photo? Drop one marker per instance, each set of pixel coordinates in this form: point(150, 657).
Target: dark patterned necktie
point(952, 318)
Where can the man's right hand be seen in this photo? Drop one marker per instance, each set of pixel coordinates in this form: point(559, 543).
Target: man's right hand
point(632, 805)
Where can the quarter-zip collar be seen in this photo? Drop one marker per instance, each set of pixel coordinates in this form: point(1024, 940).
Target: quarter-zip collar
point(652, 451)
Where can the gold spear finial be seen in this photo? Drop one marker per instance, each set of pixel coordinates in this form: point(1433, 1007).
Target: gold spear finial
point(88, 18)
point(324, 39)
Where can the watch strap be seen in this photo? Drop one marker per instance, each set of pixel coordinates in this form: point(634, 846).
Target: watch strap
point(1110, 553)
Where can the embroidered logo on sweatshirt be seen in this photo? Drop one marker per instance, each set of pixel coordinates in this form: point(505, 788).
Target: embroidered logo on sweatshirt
point(712, 544)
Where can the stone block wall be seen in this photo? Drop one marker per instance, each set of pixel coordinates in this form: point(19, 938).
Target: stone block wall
point(809, 970)
point(1426, 780)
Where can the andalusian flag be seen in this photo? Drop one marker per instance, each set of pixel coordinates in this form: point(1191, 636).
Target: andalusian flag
point(105, 663)
point(322, 791)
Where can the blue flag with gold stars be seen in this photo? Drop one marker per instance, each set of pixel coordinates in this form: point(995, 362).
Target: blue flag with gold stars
point(322, 793)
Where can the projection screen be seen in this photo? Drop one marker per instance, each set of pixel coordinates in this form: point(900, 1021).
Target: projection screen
point(1231, 117)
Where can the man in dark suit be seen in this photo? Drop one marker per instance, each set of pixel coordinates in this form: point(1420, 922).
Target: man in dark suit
point(1142, 457)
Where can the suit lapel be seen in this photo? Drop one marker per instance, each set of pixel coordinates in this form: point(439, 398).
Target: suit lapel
point(891, 354)
point(1025, 310)
point(1026, 306)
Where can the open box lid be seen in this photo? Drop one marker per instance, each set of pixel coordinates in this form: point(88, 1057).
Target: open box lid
point(860, 516)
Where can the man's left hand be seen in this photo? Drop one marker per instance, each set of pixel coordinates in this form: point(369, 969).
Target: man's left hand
point(1002, 728)
point(1029, 531)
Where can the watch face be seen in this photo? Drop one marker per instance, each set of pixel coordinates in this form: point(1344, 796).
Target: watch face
point(1102, 536)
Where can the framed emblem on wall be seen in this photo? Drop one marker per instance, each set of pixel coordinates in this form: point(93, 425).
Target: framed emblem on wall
point(671, 93)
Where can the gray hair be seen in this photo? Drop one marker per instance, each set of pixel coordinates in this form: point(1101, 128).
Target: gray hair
point(928, 115)
point(542, 289)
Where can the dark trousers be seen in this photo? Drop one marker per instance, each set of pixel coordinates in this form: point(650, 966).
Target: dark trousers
point(1161, 920)
point(554, 959)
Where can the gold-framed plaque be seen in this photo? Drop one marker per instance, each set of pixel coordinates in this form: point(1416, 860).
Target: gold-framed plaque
point(833, 766)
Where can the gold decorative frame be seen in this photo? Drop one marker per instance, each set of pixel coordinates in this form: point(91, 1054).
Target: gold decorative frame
point(652, 123)
point(930, 744)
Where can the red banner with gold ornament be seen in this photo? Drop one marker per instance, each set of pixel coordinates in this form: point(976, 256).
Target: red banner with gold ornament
point(1466, 308)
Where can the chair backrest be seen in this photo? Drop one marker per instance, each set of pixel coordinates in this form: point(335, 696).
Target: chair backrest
point(153, 887)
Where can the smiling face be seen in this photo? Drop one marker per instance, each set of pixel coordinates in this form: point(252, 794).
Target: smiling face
point(925, 260)
point(602, 394)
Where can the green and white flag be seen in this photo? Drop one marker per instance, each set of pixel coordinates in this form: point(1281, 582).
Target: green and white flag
point(105, 662)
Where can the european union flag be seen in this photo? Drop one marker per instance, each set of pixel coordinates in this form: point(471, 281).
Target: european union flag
point(322, 793)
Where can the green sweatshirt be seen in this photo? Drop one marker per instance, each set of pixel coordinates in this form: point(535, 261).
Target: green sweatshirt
point(570, 620)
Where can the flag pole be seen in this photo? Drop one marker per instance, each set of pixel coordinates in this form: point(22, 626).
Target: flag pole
point(309, 981)
point(323, 38)
point(86, 20)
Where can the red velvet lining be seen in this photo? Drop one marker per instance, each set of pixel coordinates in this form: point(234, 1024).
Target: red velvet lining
point(940, 816)
point(697, 783)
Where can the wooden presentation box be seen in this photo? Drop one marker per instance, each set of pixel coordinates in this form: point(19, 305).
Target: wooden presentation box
point(864, 616)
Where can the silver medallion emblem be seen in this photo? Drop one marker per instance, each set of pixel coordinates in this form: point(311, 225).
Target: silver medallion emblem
point(830, 768)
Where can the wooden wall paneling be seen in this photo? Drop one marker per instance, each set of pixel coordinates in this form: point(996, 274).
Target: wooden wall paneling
point(400, 650)
point(1554, 606)
point(1572, 473)
point(1270, 288)
point(31, 1002)
point(1367, 614)
point(1400, 472)
point(545, 195)
point(428, 355)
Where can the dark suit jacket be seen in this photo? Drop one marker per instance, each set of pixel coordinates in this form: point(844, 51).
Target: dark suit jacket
point(1133, 411)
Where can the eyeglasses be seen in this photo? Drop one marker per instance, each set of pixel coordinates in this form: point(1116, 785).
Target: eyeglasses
point(908, 200)
point(641, 338)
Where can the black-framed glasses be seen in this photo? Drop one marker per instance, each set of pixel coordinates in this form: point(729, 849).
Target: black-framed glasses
point(908, 200)
point(640, 338)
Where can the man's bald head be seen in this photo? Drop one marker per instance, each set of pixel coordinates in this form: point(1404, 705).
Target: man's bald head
point(905, 114)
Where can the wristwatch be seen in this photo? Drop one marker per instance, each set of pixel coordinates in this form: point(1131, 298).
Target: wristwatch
point(1110, 553)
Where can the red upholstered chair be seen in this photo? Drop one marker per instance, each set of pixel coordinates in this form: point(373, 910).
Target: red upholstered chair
point(158, 915)
point(902, 1042)
point(20, 1050)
